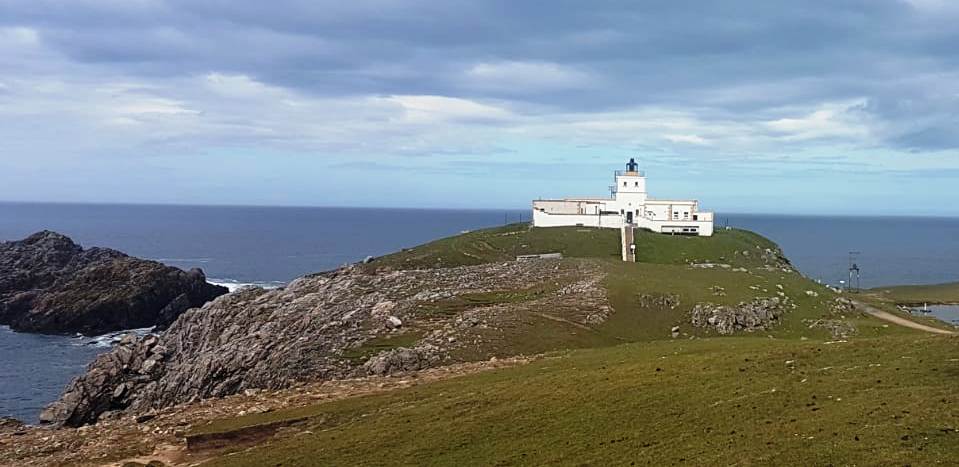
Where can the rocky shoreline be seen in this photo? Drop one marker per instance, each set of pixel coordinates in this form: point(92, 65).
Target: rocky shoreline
point(346, 323)
point(51, 285)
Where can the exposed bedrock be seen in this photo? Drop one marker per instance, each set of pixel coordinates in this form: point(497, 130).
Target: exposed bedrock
point(49, 284)
point(761, 313)
point(346, 323)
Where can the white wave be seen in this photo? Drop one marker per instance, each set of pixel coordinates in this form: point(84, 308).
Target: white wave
point(234, 285)
point(110, 339)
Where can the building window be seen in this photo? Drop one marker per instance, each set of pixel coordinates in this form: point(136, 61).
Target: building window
point(636, 184)
point(624, 183)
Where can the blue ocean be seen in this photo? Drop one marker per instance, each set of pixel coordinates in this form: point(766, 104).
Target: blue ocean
point(273, 245)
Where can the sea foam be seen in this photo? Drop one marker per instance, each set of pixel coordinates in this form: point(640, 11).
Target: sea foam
point(110, 339)
point(234, 285)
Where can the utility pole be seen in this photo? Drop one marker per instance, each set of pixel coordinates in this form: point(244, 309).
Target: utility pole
point(853, 271)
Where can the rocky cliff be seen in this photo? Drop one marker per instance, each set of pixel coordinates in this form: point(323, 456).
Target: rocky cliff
point(49, 284)
point(353, 321)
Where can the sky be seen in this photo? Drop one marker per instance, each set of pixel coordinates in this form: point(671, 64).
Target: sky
point(812, 107)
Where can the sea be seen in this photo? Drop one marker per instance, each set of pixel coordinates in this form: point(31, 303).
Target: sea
point(269, 246)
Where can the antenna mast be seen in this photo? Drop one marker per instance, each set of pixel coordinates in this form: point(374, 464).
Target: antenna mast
point(853, 271)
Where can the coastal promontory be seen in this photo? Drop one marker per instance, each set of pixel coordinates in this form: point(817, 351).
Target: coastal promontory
point(521, 345)
point(49, 284)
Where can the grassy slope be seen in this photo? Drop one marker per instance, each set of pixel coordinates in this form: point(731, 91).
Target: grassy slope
point(627, 282)
point(724, 401)
point(505, 243)
point(662, 269)
point(606, 402)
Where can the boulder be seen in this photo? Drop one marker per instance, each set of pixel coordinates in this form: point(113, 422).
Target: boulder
point(49, 284)
point(10, 425)
point(401, 360)
point(383, 308)
point(761, 313)
point(393, 322)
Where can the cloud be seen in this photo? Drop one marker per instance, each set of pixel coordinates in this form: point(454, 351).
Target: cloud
point(833, 121)
point(703, 83)
point(435, 109)
point(688, 139)
point(19, 36)
point(531, 77)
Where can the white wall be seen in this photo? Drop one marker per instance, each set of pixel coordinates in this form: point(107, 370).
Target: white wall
point(703, 228)
point(569, 206)
point(630, 184)
point(630, 192)
point(542, 219)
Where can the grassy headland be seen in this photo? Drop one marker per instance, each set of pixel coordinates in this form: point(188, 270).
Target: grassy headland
point(625, 390)
point(507, 242)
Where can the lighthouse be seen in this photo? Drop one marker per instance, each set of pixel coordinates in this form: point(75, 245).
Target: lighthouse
point(628, 205)
point(630, 191)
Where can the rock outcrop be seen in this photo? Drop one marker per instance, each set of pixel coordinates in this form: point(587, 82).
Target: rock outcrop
point(332, 325)
point(49, 284)
point(761, 313)
point(10, 425)
point(402, 360)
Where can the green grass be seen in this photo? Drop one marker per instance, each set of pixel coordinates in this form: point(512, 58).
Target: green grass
point(707, 401)
point(624, 391)
point(724, 247)
point(663, 269)
point(627, 282)
point(505, 244)
point(527, 332)
point(459, 303)
point(379, 344)
point(918, 294)
point(508, 242)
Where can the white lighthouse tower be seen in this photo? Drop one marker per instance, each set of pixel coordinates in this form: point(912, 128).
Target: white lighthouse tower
point(629, 192)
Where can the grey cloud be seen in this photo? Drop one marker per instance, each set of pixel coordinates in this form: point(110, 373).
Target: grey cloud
point(721, 60)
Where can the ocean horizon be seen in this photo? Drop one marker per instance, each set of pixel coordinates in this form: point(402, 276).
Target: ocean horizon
point(239, 244)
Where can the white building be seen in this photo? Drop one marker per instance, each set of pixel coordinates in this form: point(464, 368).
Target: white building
point(629, 205)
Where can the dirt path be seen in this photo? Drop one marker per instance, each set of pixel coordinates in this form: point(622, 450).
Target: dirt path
point(562, 320)
point(886, 316)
